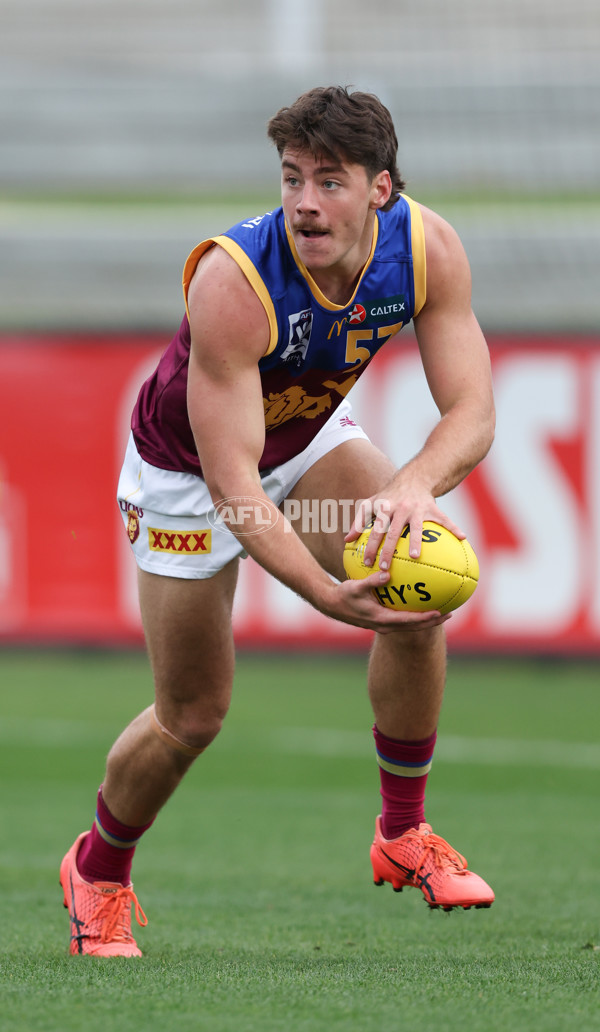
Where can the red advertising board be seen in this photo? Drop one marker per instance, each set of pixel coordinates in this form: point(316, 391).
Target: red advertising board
point(531, 510)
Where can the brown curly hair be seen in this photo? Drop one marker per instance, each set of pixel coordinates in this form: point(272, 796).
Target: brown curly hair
point(332, 121)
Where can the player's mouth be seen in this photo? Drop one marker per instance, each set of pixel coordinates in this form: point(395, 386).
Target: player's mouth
point(311, 232)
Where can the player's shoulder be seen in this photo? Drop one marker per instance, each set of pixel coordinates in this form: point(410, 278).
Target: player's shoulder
point(232, 256)
point(218, 275)
point(225, 312)
point(440, 235)
point(444, 249)
point(258, 228)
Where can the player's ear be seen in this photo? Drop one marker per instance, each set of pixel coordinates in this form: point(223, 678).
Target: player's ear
point(381, 188)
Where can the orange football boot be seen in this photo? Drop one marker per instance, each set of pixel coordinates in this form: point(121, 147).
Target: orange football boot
point(425, 861)
point(100, 912)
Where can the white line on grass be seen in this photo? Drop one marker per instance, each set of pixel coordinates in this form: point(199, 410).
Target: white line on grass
point(316, 741)
point(449, 748)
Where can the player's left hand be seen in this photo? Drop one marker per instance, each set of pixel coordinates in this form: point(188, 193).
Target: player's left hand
point(391, 511)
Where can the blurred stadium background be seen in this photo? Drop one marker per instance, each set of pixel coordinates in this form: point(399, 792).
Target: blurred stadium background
point(131, 129)
point(496, 103)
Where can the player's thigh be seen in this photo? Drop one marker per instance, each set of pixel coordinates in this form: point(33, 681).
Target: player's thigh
point(189, 637)
point(326, 497)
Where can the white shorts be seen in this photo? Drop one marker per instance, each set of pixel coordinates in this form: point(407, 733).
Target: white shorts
point(170, 519)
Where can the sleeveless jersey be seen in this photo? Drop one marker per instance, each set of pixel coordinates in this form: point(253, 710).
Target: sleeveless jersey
point(317, 349)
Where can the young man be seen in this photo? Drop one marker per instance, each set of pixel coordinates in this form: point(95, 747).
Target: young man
point(248, 407)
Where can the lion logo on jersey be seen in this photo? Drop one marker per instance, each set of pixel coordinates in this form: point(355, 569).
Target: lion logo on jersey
point(133, 526)
point(299, 338)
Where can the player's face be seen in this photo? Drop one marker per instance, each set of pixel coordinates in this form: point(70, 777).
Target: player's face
point(330, 208)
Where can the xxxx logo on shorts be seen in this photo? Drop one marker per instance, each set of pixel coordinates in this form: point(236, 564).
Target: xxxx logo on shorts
point(179, 542)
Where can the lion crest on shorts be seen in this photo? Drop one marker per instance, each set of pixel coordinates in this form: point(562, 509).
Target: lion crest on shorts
point(133, 526)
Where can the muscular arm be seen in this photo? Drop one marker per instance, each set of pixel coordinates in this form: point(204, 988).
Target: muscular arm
point(230, 333)
point(457, 366)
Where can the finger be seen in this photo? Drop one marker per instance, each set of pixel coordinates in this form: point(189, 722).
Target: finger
point(446, 522)
point(436, 515)
point(381, 618)
point(395, 532)
point(362, 518)
point(381, 525)
point(375, 580)
point(416, 539)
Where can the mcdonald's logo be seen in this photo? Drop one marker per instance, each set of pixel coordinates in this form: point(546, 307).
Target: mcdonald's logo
point(338, 325)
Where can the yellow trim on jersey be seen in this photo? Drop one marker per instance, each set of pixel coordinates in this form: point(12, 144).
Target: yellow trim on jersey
point(189, 268)
point(318, 293)
point(250, 272)
point(417, 233)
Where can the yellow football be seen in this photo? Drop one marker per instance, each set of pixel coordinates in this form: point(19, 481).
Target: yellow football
point(443, 577)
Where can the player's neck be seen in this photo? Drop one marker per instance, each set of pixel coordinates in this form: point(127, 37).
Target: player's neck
point(338, 281)
point(337, 288)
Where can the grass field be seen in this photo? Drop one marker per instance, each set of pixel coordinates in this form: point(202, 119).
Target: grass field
point(256, 879)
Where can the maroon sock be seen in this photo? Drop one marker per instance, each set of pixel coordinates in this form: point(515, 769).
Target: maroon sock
point(403, 767)
point(106, 854)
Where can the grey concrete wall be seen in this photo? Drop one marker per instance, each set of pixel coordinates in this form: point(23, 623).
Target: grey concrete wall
point(144, 98)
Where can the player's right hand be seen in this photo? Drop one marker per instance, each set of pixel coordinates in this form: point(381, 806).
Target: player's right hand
point(354, 603)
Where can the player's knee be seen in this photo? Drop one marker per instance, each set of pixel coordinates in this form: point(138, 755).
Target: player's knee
point(189, 730)
point(414, 644)
point(202, 727)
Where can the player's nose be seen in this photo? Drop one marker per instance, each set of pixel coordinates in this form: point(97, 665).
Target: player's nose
point(308, 200)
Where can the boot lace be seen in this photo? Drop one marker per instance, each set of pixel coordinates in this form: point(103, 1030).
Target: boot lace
point(441, 852)
point(113, 913)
